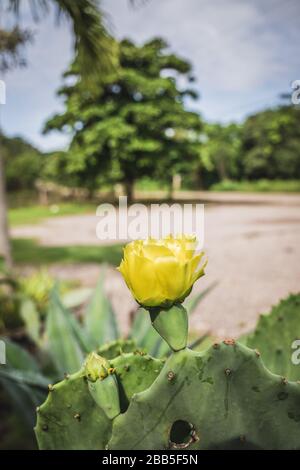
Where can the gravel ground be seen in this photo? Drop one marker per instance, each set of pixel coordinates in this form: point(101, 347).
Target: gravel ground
point(253, 249)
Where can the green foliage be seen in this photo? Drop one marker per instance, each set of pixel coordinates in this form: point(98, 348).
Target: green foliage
point(261, 185)
point(270, 143)
point(10, 311)
point(34, 214)
point(274, 335)
point(29, 251)
point(23, 381)
point(133, 125)
point(25, 300)
point(223, 398)
point(94, 47)
point(30, 317)
point(37, 287)
point(23, 163)
point(60, 334)
point(11, 45)
point(219, 154)
point(100, 321)
point(258, 155)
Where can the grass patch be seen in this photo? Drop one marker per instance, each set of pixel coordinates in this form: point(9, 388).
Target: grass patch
point(35, 214)
point(276, 186)
point(148, 184)
point(28, 251)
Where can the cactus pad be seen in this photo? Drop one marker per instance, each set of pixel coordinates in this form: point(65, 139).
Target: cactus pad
point(117, 347)
point(135, 372)
point(219, 399)
point(274, 337)
point(70, 418)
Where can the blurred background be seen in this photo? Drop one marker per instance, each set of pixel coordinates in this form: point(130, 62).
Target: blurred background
point(174, 101)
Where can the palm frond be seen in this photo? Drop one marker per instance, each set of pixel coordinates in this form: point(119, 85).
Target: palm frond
point(11, 47)
point(94, 46)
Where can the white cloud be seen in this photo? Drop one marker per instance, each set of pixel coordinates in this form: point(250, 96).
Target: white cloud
point(231, 42)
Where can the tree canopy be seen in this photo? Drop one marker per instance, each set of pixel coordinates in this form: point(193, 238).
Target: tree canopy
point(23, 163)
point(134, 124)
point(270, 144)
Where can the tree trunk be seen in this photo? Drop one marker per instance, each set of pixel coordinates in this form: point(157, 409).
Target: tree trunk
point(129, 189)
point(222, 170)
point(5, 249)
point(199, 178)
point(170, 193)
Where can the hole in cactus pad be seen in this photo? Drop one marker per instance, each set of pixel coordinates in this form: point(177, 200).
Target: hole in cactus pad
point(182, 434)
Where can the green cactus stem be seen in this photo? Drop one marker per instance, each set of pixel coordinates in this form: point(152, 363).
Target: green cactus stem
point(172, 325)
point(106, 394)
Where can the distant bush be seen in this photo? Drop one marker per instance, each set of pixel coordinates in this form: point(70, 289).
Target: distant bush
point(262, 185)
point(23, 163)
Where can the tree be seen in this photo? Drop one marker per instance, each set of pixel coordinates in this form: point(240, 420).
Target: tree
point(270, 144)
point(23, 163)
point(219, 152)
point(132, 125)
point(95, 53)
point(11, 43)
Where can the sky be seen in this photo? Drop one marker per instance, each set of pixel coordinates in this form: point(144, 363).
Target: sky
point(244, 54)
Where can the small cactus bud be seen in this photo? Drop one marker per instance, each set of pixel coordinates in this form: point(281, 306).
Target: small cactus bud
point(96, 367)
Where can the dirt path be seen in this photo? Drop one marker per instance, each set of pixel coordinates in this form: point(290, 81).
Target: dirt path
point(253, 249)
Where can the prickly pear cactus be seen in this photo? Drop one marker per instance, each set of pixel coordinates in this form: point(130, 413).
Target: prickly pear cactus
point(222, 398)
point(274, 336)
point(70, 418)
point(135, 372)
point(117, 347)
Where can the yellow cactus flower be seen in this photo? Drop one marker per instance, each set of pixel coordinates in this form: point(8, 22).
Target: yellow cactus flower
point(161, 272)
